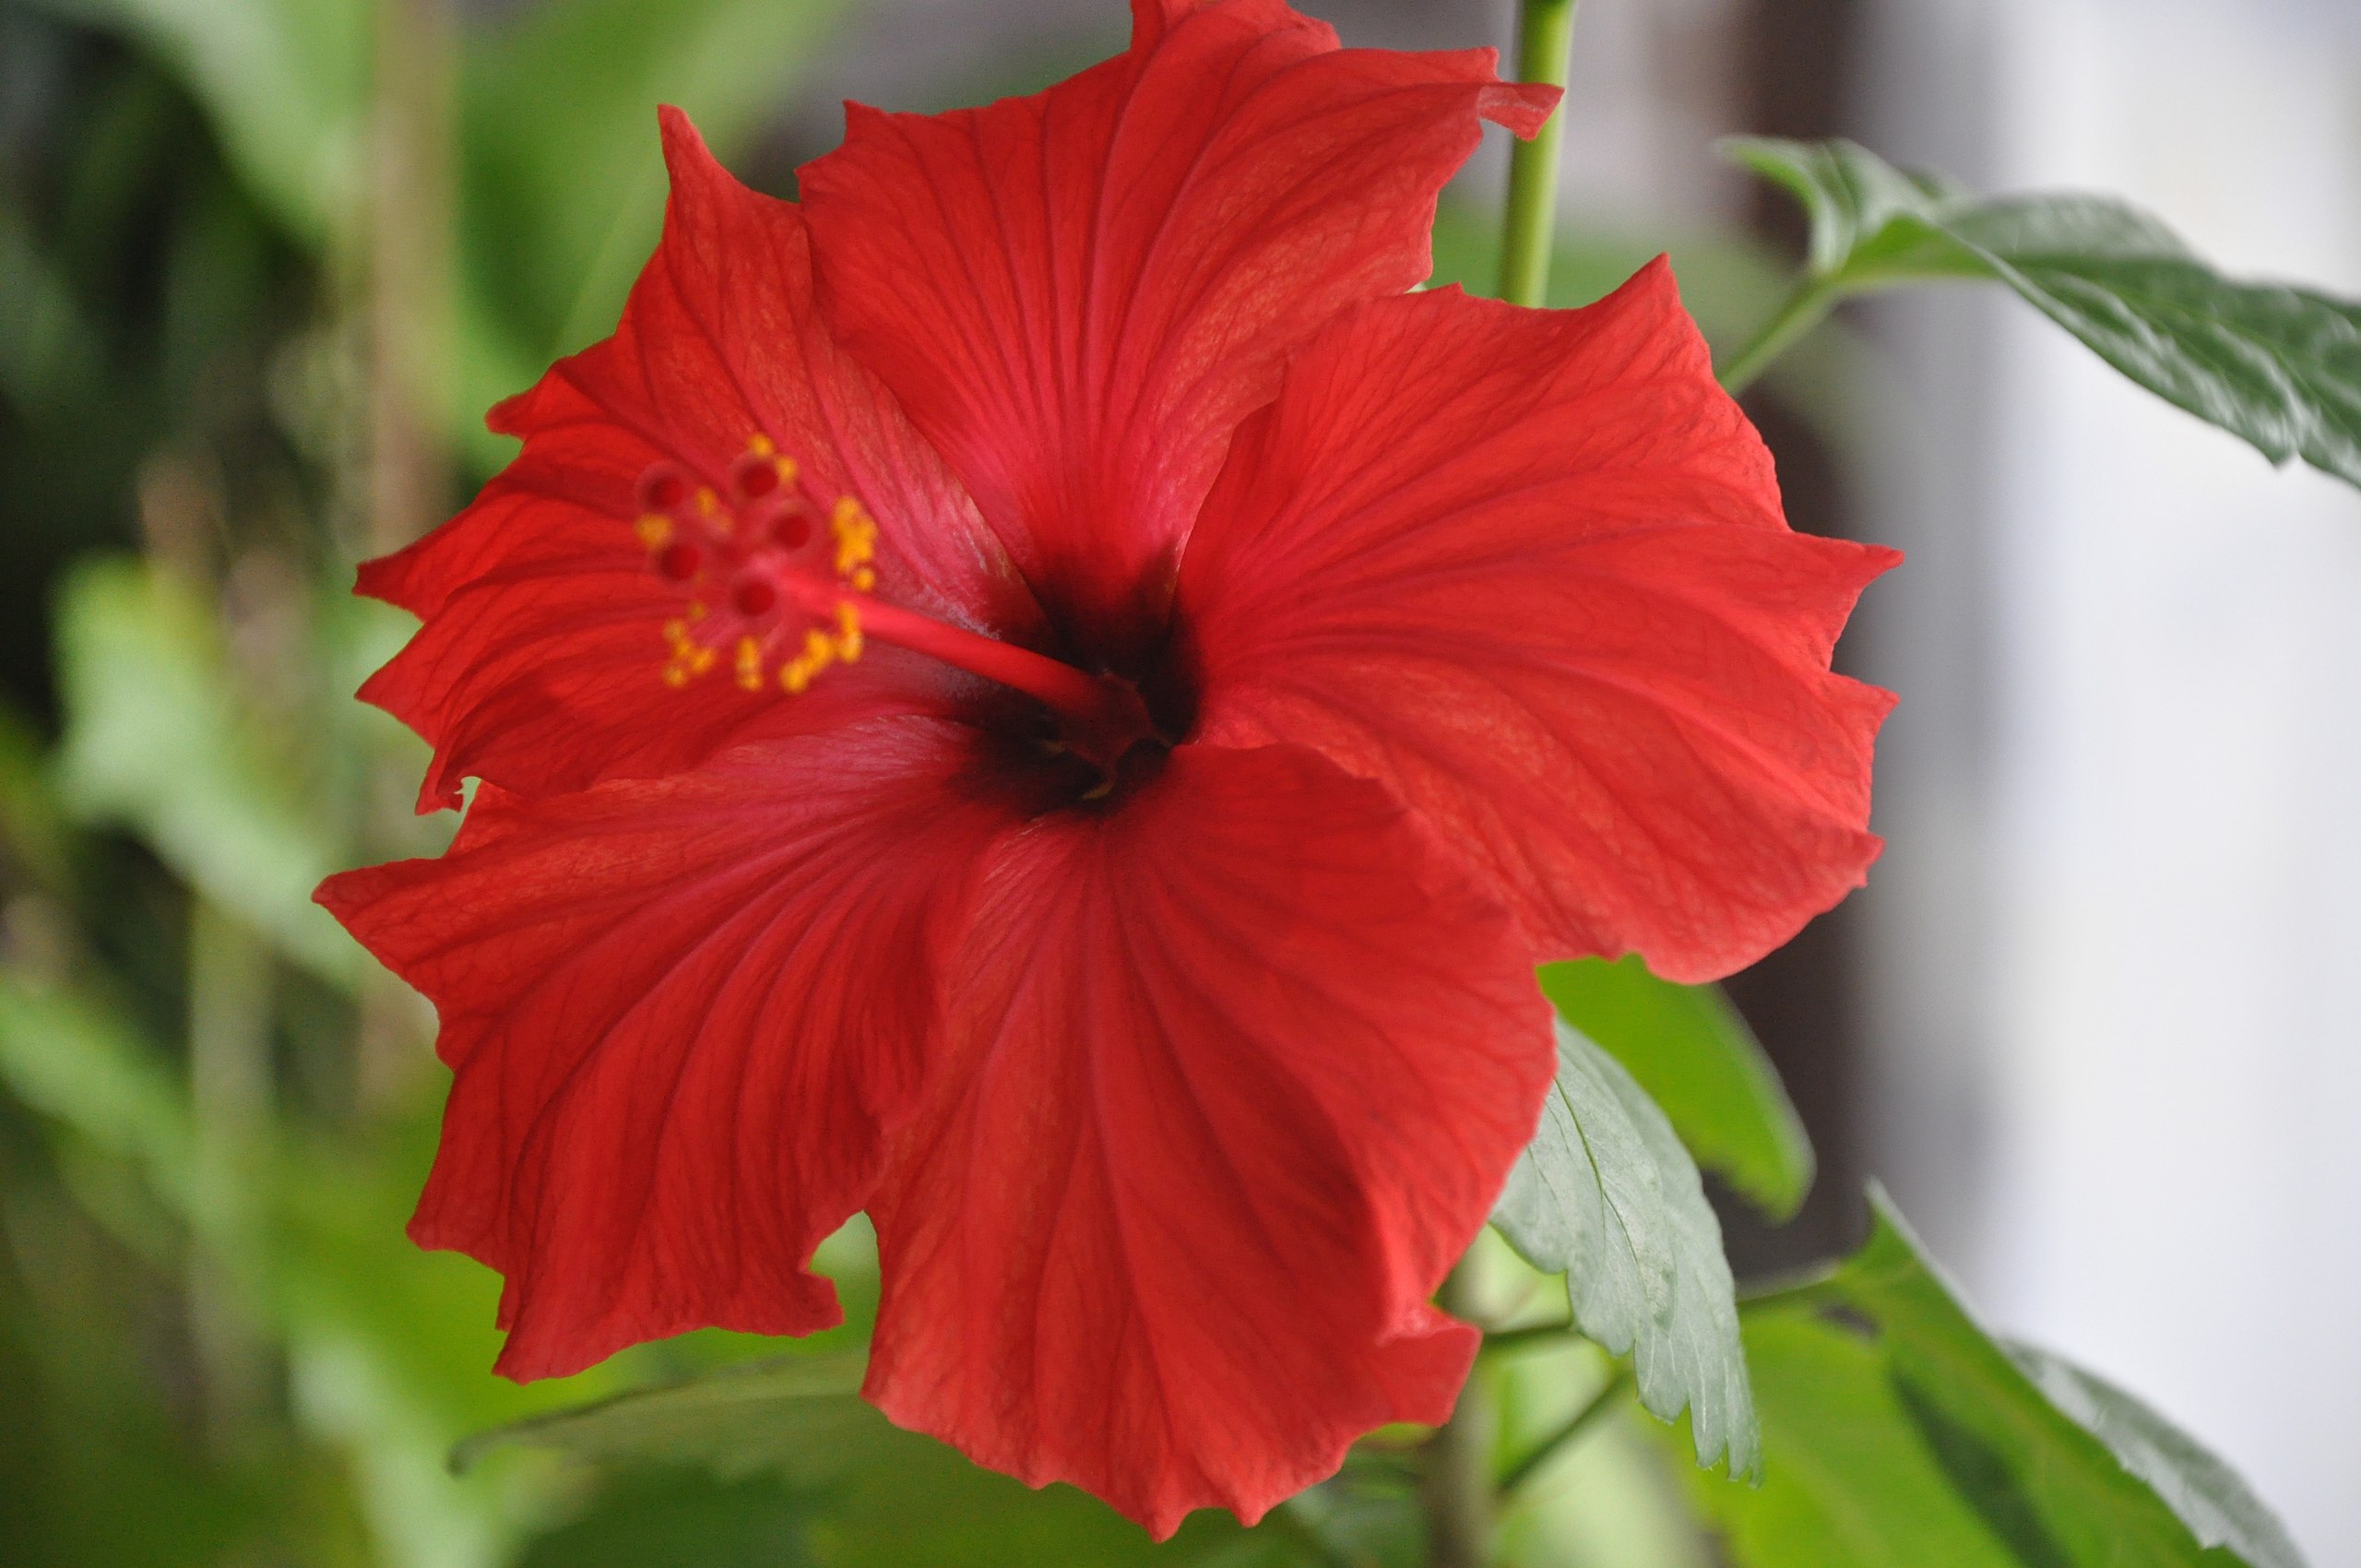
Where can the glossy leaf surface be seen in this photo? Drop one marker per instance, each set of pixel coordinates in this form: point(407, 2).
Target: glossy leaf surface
point(2279, 366)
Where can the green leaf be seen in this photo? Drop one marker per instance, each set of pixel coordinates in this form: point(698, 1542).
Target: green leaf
point(157, 740)
point(651, 1516)
point(1853, 195)
point(1692, 1053)
point(2278, 366)
point(881, 1496)
point(2209, 1496)
point(1606, 1195)
point(1846, 1482)
point(1898, 1434)
point(797, 1416)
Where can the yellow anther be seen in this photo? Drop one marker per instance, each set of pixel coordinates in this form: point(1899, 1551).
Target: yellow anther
point(856, 534)
point(655, 530)
point(690, 658)
point(819, 652)
point(787, 470)
point(750, 664)
point(760, 445)
point(847, 632)
point(863, 578)
point(707, 502)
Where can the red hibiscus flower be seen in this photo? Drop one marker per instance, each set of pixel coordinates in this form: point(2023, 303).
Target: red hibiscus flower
point(1044, 695)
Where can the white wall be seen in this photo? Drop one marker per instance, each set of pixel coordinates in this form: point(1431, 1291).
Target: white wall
point(2118, 940)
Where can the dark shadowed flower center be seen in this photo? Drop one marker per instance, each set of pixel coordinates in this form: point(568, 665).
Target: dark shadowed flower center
point(778, 587)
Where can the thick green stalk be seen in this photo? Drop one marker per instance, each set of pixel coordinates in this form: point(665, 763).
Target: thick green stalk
point(1544, 44)
point(1457, 1488)
point(1601, 1404)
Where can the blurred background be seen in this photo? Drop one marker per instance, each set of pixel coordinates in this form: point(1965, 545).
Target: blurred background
point(263, 264)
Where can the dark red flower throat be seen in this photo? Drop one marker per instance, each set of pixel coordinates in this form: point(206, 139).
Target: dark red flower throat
point(779, 587)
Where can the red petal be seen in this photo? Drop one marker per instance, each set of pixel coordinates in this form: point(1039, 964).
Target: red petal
point(1079, 294)
point(539, 666)
point(682, 1016)
point(1242, 1065)
point(1528, 569)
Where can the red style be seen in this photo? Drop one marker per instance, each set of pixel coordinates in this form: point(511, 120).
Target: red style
point(1043, 695)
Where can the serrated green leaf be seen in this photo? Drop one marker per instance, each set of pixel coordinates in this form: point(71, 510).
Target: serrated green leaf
point(156, 741)
point(1606, 1195)
point(1691, 1051)
point(1899, 1434)
point(2278, 366)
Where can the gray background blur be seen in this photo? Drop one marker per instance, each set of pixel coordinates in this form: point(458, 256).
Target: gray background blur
point(2114, 949)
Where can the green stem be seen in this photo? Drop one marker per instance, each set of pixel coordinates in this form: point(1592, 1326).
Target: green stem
point(1608, 1395)
point(1813, 298)
point(1544, 44)
point(1458, 1484)
point(1508, 1341)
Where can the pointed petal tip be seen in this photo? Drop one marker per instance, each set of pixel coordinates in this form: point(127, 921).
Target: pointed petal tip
point(513, 415)
point(679, 132)
point(382, 579)
point(688, 161)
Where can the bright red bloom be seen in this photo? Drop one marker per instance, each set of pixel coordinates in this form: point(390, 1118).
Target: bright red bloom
point(1044, 696)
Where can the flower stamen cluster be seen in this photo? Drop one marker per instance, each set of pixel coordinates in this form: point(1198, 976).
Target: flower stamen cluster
point(760, 578)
